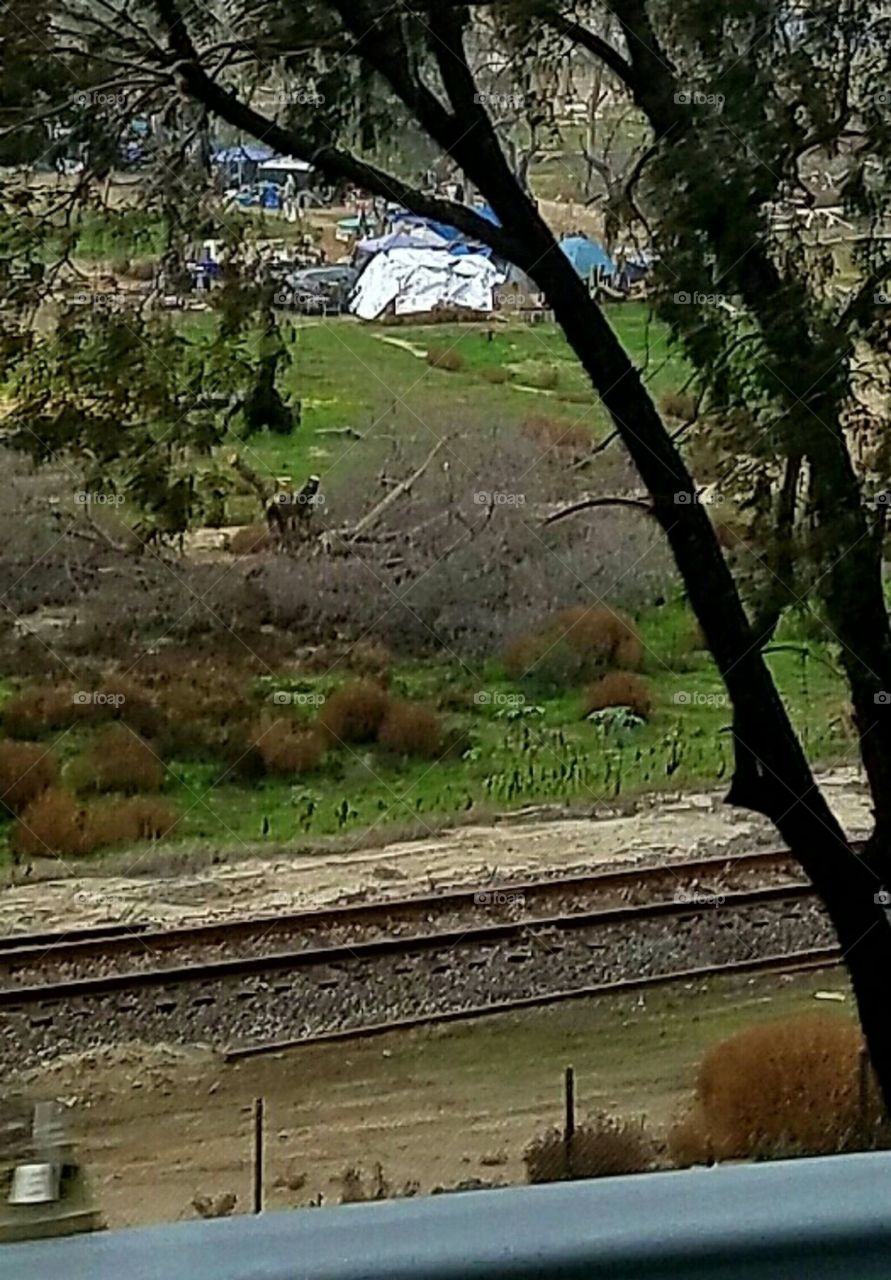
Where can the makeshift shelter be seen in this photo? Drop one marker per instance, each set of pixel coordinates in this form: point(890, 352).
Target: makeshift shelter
point(240, 162)
point(414, 224)
point(278, 169)
point(587, 256)
point(414, 281)
point(365, 250)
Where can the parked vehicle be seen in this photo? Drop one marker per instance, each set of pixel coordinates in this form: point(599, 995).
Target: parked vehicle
point(318, 290)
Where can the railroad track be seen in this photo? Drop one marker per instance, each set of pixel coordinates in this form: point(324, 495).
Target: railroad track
point(386, 974)
point(31, 960)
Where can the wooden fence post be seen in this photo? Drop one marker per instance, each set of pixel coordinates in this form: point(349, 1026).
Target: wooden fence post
point(568, 1119)
point(258, 1155)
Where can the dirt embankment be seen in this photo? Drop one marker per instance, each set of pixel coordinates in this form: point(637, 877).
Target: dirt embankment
point(659, 830)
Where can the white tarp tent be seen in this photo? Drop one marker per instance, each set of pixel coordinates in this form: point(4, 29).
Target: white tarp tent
point(283, 164)
point(418, 280)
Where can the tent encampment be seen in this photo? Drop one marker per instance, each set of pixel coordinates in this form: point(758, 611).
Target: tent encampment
point(240, 162)
point(414, 281)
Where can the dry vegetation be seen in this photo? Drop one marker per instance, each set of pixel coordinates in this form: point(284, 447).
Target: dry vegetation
point(57, 823)
point(618, 689)
point(411, 729)
point(553, 433)
point(354, 713)
point(784, 1088)
point(603, 1147)
point(574, 645)
point(26, 770)
point(116, 760)
point(285, 747)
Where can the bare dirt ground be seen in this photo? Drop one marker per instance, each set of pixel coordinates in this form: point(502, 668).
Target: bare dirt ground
point(437, 1107)
point(658, 830)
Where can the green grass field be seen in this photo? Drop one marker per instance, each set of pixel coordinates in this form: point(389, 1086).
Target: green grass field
point(352, 374)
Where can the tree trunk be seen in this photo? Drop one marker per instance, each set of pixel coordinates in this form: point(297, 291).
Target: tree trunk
point(772, 775)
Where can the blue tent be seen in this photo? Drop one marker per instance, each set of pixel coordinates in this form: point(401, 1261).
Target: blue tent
point(587, 256)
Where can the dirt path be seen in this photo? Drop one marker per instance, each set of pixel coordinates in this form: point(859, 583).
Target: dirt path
point(435, 1107)
point(696, 824)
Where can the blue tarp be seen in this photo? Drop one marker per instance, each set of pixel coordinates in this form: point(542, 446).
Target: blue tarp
point(248, 154)
point(587, 256)
point(452, 234)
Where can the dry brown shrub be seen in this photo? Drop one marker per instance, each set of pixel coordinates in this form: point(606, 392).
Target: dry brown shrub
point(199, 703)
point(523, 653)
point(353, 713)
point(138, 818)
point(678, 404)
point(285, 747)
point(50, 707)
point(553, 433)
point(370, 658)
point(250, 539)
point(602, 635)
point(53, 823)
point(411, 729)
point(26, 769)
point(118, 760)
point(688, 1142)
point(445, 358)
point(789, 1087)
point(496, 375)
point(618, 689)
point(41, 708)
point(575, 645)
point(603, 1147)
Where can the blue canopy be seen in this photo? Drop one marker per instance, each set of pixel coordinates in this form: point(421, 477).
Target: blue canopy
point(249, 154)
point(587, 256)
